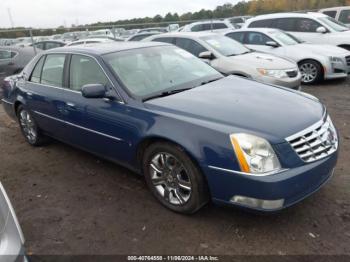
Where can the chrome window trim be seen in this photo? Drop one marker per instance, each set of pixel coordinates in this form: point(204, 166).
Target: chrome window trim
point(120, 100)
point(249, 174)
point(81, 127)
point(61, 88)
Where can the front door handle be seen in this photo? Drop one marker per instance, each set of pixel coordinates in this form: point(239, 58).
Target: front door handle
point(70, 104)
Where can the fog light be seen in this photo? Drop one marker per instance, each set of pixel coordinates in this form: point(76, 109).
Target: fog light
point(258, 203)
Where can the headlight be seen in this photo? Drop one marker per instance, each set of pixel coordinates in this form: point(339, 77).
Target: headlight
point(254, 154)
point(273, 73)
point(335, 59)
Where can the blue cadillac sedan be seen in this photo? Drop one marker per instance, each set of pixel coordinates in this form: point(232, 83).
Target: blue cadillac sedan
point(194, 134)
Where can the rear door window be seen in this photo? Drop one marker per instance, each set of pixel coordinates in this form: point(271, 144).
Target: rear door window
point(306, 25)
point(285, 24)
point(52, 73)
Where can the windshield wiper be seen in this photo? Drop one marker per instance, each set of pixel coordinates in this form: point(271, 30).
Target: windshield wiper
point(166, 93)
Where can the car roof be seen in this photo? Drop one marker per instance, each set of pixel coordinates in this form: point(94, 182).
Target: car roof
point(335, 8)
point(50, 41)
point(262, 30)
point(188, 34)
point(104, 48)
point(207, 22)
point(286, 15)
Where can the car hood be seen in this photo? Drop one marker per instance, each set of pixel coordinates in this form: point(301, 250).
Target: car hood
point(262, 60)
point(235, 104)
point(325, 50)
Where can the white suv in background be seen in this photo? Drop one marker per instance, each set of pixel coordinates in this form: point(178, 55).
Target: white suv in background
point(340, 13)
point(315, 28)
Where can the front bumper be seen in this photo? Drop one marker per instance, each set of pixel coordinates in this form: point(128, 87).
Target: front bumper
point(291, 185)
point(289, 82)
point(336, 70)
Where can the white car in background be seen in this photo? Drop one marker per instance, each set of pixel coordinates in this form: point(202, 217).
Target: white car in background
point(91, 41)
point(210, 25)
point(102, 32)
point(316, 62)
point(238, 20)
point(232, 58)
point(340, 13)
point(315, 28)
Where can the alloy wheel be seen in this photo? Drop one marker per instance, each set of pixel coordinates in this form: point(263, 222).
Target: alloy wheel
point(309, 72)
point(28, 126)
point(170, 178)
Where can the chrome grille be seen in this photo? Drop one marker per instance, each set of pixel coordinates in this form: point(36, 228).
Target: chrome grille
point(315, 142)
point(347, 60)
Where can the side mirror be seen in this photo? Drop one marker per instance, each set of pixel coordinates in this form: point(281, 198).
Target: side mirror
point(272, 44)
point(321, 30)
point(93, 91)
point(206, 55)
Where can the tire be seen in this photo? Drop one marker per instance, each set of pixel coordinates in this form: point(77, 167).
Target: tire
point(29, 128)
point(178, 184)
point(311, 71)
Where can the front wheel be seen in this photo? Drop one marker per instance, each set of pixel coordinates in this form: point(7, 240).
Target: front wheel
point(174, 179)
point(311, 72)
point(29, 128)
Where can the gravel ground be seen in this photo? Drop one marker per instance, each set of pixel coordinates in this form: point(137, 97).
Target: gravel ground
point(70, 202)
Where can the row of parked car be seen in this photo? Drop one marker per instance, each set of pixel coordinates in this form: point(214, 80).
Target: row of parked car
point(283, 49)
point(194, 134)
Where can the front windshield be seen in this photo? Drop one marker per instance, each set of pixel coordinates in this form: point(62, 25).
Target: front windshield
point(334, 24)
point(149, 71)
point(285, 39)
point(225, 45)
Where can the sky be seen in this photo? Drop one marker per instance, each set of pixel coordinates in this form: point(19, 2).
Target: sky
point(54, 13)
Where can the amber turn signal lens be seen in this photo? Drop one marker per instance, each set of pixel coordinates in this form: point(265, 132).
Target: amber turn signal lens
point(240, 155)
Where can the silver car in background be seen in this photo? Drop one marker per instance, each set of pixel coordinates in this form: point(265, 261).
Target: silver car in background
point(316, 62)
point(232, 58)
point(11, 236)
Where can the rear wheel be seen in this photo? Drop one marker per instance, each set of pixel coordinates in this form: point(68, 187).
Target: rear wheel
point(174, 179)
point(29, 127)
point(311, 71)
